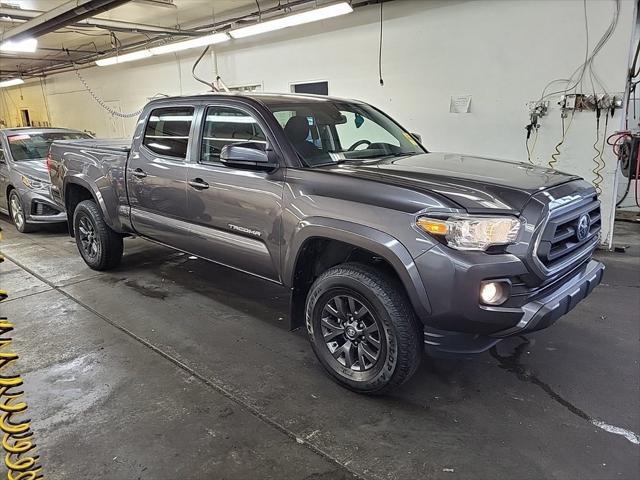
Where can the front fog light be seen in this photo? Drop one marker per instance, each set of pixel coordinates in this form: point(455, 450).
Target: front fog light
point(493, 293)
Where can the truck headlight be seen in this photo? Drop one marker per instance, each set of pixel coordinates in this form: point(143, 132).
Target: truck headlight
point(472, 233)
point(33, 183)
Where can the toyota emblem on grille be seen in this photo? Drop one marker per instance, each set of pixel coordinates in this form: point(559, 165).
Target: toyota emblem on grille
point(584, 223)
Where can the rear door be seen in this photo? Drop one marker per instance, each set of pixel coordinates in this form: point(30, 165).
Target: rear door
point(157, 176)
point(235, 213)
point(4, 177)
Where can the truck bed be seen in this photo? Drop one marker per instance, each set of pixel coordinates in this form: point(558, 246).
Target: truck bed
point(96, 164)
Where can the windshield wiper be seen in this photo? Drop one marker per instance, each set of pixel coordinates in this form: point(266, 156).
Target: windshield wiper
point(384, 155)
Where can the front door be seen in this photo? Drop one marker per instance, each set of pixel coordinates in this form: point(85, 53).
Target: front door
point(157, 176)
point(235, 213)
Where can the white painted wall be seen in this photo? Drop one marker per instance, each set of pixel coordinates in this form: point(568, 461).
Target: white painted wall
point(500, 52)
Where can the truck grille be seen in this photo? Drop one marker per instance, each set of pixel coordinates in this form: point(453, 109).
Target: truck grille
point(570, 234)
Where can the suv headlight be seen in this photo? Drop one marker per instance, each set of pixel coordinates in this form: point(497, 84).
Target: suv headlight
point(472, 233)
point(33, 183)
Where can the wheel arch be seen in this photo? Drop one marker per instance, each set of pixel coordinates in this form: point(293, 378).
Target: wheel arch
point(321, 243)
point(77, 189)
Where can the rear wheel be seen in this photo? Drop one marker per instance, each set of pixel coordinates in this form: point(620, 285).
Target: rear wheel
point(100, 247)
point(17, 213)
point(362, 328)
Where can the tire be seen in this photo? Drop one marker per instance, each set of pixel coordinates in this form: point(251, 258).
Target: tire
point(100, 247)
point(17, 213)
point(345, 344)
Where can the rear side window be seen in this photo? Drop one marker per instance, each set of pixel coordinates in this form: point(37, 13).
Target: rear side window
point(167, 131)
point(225, 126)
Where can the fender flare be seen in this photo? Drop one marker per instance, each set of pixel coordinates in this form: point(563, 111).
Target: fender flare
point(79, 179)
point(371, 239)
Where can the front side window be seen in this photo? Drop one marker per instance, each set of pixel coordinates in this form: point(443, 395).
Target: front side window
point(35, 145)
point(226, 126)
point(167, 131)
point(331, 131)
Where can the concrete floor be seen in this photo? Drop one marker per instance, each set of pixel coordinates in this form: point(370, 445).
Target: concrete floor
point(170, 367)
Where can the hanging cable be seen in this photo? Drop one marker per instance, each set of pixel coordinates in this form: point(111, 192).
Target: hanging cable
point(601, 162)
point(97, 99)
point(102, 103)
point(554, 156)
point(596, 171)
point(380, 48)
point(211, 85)
point(530, 150)
point(588, 63)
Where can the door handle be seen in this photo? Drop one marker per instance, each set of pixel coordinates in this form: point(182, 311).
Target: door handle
point(138, 172)
point(198, 184)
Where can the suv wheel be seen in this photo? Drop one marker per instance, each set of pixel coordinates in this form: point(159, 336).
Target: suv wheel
point(18, 216)
point(362, 328)
point(100, 247)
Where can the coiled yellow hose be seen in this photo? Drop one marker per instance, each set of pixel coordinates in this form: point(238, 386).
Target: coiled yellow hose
point(17, 439)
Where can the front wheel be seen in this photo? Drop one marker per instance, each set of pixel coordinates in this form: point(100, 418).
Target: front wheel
point(362, 328)
point(100, 247)
point(17, 213)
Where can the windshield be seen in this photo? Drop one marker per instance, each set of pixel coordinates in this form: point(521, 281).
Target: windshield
point(331, 131)
point(35, 145)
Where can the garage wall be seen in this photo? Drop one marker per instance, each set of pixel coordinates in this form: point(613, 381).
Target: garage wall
point(502, 53)
point(31, 97)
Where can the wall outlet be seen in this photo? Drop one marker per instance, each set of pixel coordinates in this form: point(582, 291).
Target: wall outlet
point(539, 109)
point(574, 101)
point(579, 101)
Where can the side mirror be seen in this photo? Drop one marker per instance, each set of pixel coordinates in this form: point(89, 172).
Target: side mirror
point(417, 137)
point(249, 156)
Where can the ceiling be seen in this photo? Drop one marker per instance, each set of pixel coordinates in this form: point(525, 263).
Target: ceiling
point(80, 43)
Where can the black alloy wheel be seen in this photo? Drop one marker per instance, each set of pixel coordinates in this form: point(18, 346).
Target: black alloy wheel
point(351, 333)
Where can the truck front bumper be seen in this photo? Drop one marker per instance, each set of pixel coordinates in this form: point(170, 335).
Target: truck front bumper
point(461, 325)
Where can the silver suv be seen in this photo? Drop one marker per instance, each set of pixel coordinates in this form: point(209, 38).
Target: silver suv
point(24, 182)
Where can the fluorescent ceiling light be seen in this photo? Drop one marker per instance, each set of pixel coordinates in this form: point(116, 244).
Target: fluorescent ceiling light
point(292, 20)
point(193, 43)
point(28, 45)
point(11, 82)
point(127, 57)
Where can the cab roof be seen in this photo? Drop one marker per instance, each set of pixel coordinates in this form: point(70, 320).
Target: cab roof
point(265, 98)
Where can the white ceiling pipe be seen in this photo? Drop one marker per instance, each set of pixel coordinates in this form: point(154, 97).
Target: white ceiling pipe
point(66, 14)
point(19, 15)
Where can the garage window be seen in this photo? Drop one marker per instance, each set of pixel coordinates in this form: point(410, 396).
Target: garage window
point(167, 131)
point(225, 126)
point(315, 88)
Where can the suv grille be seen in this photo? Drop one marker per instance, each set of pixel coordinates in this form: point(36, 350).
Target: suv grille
point(568, 235)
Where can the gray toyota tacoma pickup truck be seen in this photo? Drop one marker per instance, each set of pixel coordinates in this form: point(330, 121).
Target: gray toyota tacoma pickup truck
point(387, 249)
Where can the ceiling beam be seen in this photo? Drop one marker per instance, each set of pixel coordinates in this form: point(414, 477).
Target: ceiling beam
point(61, 16)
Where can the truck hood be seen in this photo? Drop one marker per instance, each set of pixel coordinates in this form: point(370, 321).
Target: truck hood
point(477, 184)
point(32, 168)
